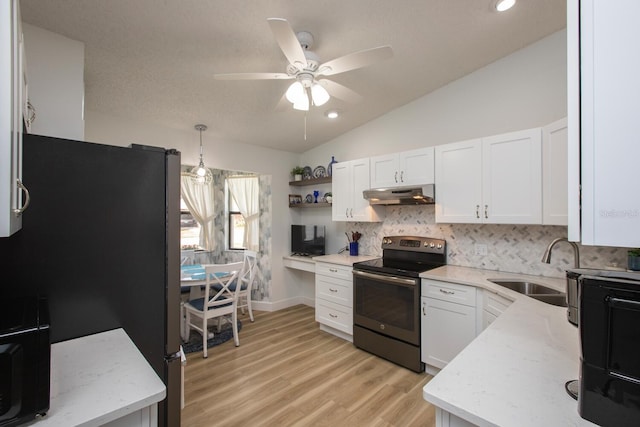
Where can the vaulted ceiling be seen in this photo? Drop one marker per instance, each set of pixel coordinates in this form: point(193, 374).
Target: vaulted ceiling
point(154, 60)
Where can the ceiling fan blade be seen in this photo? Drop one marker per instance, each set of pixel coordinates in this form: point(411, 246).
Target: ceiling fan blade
point(252, 76)
point(355, 60)
point(341, 92)
point(288, 42)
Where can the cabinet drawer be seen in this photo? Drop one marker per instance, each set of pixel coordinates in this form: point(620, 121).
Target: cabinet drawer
point(494, 303)
point(335, 316)
point(452, 292)
point(334, 290)
point(334, 270)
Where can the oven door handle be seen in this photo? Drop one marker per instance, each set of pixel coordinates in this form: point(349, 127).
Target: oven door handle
point(393, 279)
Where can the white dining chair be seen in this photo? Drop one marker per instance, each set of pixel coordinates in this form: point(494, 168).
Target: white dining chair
point(219, 300)
point(247, 280)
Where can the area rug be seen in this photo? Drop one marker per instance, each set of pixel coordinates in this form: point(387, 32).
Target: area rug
point(195, 339)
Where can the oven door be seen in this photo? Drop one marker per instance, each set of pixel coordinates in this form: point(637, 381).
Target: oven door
point(388, 305)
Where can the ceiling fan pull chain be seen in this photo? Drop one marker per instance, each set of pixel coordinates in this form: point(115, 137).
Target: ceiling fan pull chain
point(305, 126)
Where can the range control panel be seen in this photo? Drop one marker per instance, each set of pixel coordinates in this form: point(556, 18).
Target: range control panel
point(414, 243)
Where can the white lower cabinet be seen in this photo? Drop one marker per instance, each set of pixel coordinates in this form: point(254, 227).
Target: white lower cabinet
point(448, 316)
point(445, 419)
point(334, 299)
point(493, 305)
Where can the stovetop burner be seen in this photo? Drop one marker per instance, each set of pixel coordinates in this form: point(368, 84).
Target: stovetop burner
point(407, 256)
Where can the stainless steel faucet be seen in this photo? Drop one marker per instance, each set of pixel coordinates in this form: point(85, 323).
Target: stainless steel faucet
point(547, 253)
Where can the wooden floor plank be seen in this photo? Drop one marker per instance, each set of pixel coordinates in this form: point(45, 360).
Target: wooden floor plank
point(286, 372)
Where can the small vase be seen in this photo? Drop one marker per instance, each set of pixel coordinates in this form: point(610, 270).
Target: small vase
point(297, 177)
point(330, 167)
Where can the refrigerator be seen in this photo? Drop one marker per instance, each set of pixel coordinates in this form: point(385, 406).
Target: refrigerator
point(101, 241)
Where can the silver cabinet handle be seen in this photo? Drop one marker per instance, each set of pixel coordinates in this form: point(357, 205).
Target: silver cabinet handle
point(402, 176)
point(478, 211)
point(346, 212)
point(31, 117)
point(335, 316)
point(351, 212)
point(333, 270)
point(447, 292)
point(485, 211)
point(333, 290)
point(424, 306)
point(395, 177)
point(27, 199)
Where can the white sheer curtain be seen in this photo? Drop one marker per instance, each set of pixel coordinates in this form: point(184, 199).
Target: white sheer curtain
point(199, 198)
point(245, 191)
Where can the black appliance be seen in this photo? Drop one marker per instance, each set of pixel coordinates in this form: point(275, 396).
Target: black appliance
point(307, 240)
point(101, 240)
point(386, 294)
point(25, 356)
point(609, 328)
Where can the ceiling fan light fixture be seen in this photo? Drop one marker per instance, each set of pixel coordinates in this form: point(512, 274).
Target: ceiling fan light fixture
point(295, 93)
point(502, 5)
point(302, 104)
point(319, 94)
point(332, 114)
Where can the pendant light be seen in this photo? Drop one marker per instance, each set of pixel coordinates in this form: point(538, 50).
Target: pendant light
point(200, 173)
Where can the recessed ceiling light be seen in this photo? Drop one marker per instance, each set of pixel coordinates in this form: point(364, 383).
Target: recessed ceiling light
point(332, 114)
point(502, 5)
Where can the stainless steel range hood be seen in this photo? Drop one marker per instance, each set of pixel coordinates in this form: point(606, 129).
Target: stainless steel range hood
point(415, 195)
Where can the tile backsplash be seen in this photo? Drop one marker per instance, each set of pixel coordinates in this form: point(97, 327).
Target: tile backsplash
point(510, 248)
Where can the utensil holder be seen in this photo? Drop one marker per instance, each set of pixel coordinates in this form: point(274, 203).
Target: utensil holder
point(353, 248)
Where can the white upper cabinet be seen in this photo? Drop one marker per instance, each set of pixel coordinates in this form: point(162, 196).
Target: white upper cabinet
point(415, 167)
point(459, 182)
point(12, 104)
point(349, 180)
point(494, 180)
point(512, 178)
point(610, 129)
point(554, 173)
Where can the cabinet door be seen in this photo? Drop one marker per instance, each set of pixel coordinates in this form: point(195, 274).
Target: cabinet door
point(458, 182)
point(11, 102)
point(384, 171)
point(554, 173)
point(362, 211)
point(340, 188)
point(447, 328)
point(417, 167)
point(610, 127)
point(512, 178)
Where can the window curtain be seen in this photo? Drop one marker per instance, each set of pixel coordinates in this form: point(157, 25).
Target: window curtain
point(199, 198)
point(245, 191)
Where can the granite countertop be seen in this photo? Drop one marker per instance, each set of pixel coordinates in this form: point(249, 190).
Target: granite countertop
point(343, 259)
point(97, 379)
point(514, 372)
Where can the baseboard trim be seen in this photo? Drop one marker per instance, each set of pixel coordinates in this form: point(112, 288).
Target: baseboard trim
point(282, 304)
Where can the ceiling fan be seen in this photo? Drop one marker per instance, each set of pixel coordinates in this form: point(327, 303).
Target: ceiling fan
point(305, 67)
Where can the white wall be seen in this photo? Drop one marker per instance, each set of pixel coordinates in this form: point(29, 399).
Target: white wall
point(55, 79)
point(219, 154)
point(525, 89)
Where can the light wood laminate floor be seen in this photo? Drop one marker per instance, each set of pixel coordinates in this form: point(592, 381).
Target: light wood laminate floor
point(286, 372)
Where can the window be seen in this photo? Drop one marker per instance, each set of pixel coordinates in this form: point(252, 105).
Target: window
point(189, 229)
point(236, 224)
point(243, 212)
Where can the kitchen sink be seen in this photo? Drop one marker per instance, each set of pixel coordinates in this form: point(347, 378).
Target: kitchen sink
point(524, 287)
point(534, 290)
point(554, 299)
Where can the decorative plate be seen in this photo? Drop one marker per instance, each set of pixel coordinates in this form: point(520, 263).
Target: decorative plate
point(307, 174)
point(319, 172)
point(309, 198)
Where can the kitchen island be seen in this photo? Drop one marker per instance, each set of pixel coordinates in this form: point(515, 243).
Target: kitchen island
point(514, 372)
